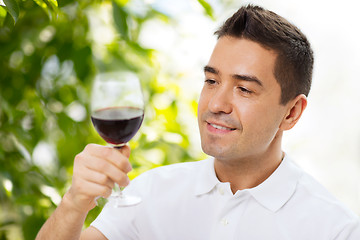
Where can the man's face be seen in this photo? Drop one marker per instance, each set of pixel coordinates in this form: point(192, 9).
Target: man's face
point(239, 110)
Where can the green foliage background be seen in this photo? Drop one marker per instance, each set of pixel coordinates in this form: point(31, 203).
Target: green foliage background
point(47, 63)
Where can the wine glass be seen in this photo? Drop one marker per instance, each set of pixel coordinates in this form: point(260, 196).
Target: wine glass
point(117, 112)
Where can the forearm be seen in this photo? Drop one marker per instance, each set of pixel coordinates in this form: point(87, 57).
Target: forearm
point(96, 169)
point(64, 223)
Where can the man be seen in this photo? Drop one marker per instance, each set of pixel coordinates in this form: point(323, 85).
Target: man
point(256, 83)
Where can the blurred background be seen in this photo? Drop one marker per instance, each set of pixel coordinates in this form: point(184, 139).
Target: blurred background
point(50, 51)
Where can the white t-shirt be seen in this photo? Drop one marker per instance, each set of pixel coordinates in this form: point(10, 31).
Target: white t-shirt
point(186, 201)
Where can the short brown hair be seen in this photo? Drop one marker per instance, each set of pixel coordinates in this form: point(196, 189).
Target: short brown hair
point(295, 60)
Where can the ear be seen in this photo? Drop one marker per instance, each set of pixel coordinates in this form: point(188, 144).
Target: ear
point(295, 108)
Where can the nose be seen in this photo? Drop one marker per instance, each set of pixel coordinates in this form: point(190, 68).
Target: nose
point(221, 100)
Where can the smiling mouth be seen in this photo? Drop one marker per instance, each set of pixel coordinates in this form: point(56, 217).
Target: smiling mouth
point(221, 127)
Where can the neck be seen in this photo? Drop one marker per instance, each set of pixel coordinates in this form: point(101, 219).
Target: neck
point(250, 171)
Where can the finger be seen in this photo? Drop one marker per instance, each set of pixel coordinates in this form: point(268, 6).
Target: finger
point(96, 177)
point(91, 189)
point(125, 150)
point(112, 155)
point(105, 171)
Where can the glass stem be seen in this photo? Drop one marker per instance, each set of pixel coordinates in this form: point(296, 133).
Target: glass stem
point(121, 194)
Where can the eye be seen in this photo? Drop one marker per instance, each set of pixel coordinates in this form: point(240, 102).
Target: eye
point(245, 90)
point(210, 81)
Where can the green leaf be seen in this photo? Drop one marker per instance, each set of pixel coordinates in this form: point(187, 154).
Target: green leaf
point(9, 22)
point(62, 3)
point(31, 226)
point(81, 59)
point(54, 3)
point(122, 2)
point(3, 236)
point(53, 7)
point(2, 11)
point(13, 8)
point(207, 7)
point(50, 7)
point(120, 16)
point(7, 223)
point(40, 3)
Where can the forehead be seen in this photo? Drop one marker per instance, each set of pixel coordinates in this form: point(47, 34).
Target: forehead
point(245, 57)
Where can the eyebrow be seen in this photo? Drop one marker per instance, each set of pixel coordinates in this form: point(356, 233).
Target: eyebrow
point(211, 70)
point(235, 76)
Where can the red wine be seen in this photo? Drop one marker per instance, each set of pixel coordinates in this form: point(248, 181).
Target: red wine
point(117, 125)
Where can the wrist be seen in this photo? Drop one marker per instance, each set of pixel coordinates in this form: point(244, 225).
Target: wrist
point(68, 202)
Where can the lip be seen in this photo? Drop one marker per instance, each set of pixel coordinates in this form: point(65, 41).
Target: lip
point(216, 127)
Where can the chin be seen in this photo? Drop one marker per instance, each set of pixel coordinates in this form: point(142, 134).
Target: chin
point(214, 150)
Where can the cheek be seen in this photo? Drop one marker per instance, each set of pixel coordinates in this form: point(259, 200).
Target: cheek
point(202, 104)
point(247, 112)
point(259, 119)
point(200, 111)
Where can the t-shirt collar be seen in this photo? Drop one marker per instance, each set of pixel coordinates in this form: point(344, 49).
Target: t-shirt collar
point(273, 193)
point(277, 189)
point(206, 179)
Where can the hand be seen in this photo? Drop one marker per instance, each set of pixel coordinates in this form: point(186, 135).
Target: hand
point(96, 169)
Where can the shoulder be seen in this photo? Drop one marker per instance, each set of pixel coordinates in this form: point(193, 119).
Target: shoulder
point(318, 193)
point(323, 205)
point(313, 209)
point(311, 193)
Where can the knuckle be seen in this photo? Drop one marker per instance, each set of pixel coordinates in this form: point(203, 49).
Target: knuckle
point(101, 165)
point(103, 179)
point(107, 152)
point(78, 165)
point(91, 146)
point(88, 147)
point(78, 157)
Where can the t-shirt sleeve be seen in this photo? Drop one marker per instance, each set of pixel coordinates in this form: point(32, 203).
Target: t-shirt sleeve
point(120, 223)
point(116, 223)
